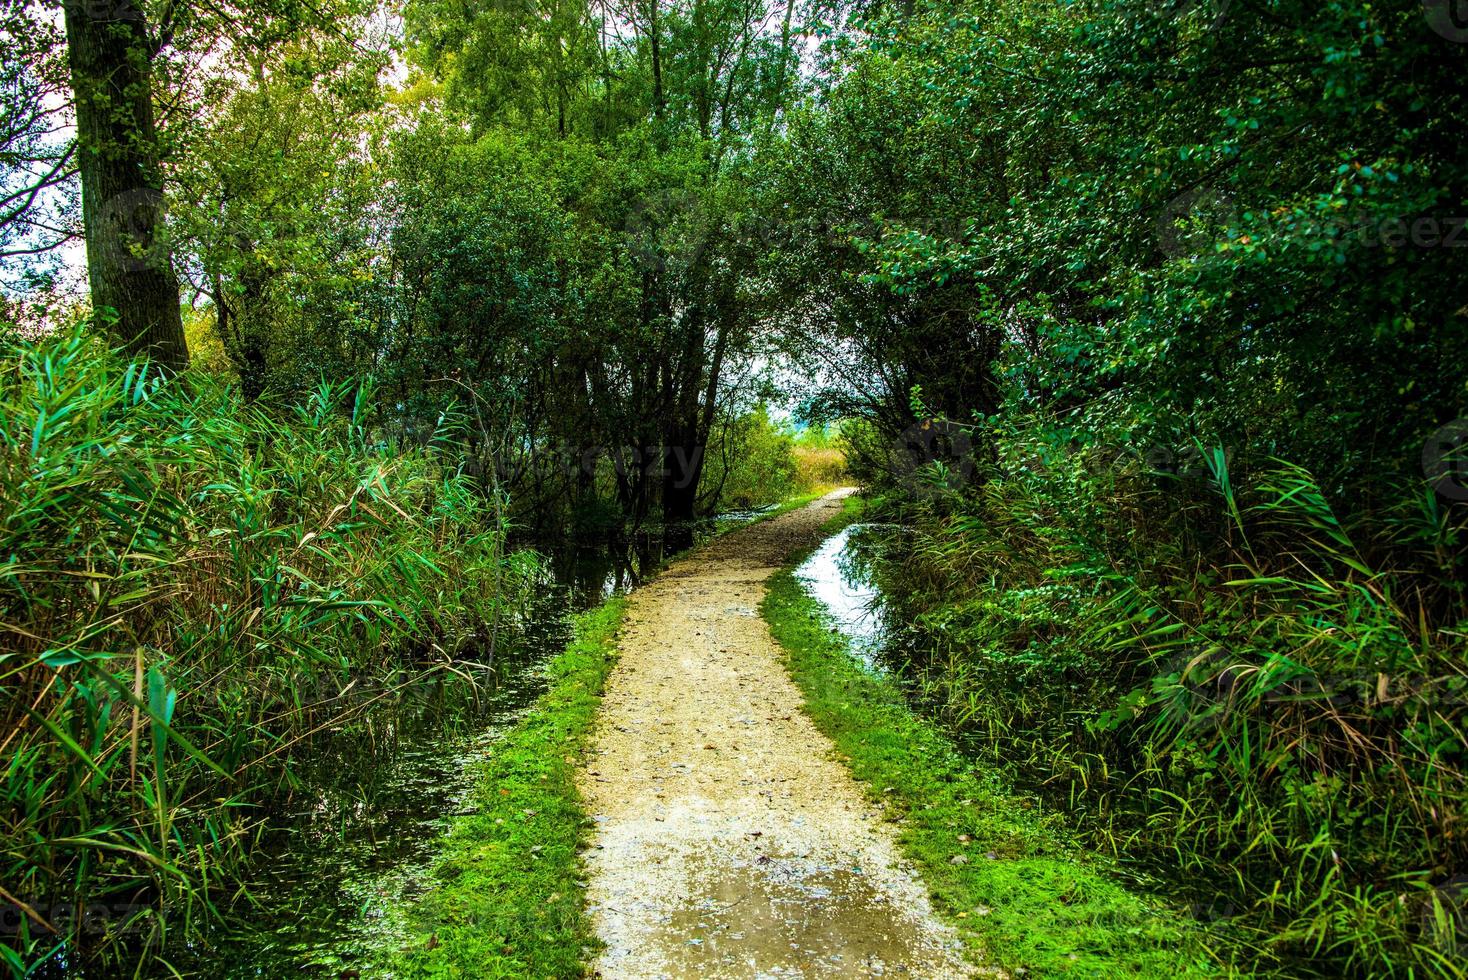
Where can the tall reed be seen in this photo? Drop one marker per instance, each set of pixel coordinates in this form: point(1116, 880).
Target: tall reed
point(189, 589)
point(1226, 683)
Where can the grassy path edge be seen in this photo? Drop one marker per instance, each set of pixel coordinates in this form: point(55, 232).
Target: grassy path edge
point(1024, 898)
point(507, 899)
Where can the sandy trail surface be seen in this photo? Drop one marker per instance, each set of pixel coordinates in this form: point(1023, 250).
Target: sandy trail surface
point(731, 842)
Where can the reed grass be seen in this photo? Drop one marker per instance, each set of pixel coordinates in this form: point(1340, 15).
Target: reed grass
point(1229, 686)
point(190, 589)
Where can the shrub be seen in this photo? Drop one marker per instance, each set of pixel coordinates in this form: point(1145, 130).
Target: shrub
point(1219, 678)
point(752, 462)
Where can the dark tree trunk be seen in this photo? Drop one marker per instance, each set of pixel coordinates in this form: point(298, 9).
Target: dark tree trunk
point(128, 260)
point(655, 42)
point(685, 442)
point(252, 336)
point(682, 468)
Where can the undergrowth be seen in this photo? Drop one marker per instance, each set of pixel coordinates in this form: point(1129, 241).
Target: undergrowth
point(1221, 679)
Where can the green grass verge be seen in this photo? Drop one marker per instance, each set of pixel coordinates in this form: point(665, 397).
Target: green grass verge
point(1021, 893)
point(507, 900)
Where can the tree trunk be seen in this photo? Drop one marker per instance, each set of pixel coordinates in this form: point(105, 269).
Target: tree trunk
point(682, 467)
point(249, 345)
point(128, 260)
point(655, 43)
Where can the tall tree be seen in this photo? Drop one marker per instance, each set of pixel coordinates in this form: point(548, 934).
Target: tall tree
point(128, 259)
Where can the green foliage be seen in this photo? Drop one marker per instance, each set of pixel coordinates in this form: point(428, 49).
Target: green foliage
point(190, 587)
point(267, 186)
point(1220, 679)
point(1087, 275)
point(1007, 874)
point(33, 161)
point(508, 901)
point(754, 462)
point(1097, 204)
point(1077, 278)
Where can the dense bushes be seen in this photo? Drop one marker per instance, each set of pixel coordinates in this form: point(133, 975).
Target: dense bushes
point(1101, 205)
point(188, 589)
point(1224, 682)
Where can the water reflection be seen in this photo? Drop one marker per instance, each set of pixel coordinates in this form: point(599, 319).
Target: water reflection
point(595, 569)
point(838, 574)
point(844, 575)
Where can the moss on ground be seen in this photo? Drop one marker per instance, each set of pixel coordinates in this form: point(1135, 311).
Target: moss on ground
point(1024, 897)
point(508, 899)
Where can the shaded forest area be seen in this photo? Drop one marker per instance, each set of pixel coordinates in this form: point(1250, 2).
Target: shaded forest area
point(1142, 321)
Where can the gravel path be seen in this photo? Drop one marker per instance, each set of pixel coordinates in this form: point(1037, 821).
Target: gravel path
point(731, 842)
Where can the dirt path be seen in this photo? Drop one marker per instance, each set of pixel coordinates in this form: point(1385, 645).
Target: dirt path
point(730, 840)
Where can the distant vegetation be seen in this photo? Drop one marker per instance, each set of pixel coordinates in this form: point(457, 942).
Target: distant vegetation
point(757, 461)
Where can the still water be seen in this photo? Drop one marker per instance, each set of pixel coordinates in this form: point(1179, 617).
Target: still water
point(839, 576)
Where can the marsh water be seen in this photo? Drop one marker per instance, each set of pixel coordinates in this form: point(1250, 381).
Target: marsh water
point(342, 855)
point(838, 574)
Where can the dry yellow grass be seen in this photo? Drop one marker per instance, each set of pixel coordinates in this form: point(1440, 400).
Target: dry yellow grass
point(819, 466)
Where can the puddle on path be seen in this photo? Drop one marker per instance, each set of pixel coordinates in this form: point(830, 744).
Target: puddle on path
point(779, 918)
